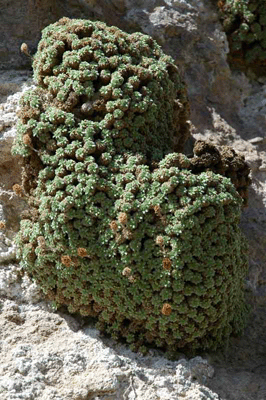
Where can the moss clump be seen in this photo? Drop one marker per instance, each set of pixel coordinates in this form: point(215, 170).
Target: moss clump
point(120, 227)
point(244, 22)
point(226, 162)
point(122, 83)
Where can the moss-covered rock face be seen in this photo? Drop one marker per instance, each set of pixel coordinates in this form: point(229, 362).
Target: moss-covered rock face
point(245, 24)
point(120, 227)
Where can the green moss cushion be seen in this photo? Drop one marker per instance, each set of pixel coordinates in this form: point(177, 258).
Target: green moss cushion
point(119, 227)
point(245, 24)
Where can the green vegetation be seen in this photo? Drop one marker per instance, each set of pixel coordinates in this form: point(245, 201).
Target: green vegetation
point(121, 227)
point(244, 22)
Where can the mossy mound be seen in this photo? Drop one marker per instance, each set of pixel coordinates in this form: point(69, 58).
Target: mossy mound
point(124, 83)
point(120, 227)
point(244, 22)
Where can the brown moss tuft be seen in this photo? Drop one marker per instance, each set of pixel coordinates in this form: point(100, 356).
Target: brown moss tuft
point(66, 260)
point(17, 189)
point(126, 233)
point(27, 139)
point(159, 240)
point(113, 225)
point(167, 309)
point(41, 241)
point(24, 49)
point(122, 218)
point(157, 210)
point(223, 161)
point(167, 264)
point(2, 225)
point(126, 271)
point(82, 252)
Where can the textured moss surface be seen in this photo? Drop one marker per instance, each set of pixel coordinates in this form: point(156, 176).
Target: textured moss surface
point(245, 24)
point(120, 227)
point(224, 161)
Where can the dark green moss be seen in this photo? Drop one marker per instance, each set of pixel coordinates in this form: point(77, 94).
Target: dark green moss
point(244, 22)
point(123, 229)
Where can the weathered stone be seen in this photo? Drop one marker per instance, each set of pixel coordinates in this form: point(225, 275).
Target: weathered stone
point(11, 205)
point(257, 140)
point(49, 355)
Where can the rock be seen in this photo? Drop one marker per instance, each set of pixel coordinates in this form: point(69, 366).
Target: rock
point(12, 85)
point(262, 168)
point(22, 23)
point(48, 355)
point(15, 286)
point(253, 110)
point(7, 249)
point(257, 140)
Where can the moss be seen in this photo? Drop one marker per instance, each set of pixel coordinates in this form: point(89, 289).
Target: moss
point(244, 22)
point(123, 227)
point(224, 161)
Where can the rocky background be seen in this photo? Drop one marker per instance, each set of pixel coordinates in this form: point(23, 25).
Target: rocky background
point(52, 355)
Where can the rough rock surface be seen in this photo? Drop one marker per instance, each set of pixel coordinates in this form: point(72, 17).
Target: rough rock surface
point(51, 355)
point(46, 355)
point(12, 85)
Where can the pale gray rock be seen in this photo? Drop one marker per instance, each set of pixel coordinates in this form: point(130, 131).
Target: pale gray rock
point(47, 355)
point(12, 85)
point(7, 249)
point(16, 285)
point(257, 140)
point(253, 111)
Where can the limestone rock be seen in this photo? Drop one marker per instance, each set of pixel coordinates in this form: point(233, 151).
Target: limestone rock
point(49, 355)
point(12, 85)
